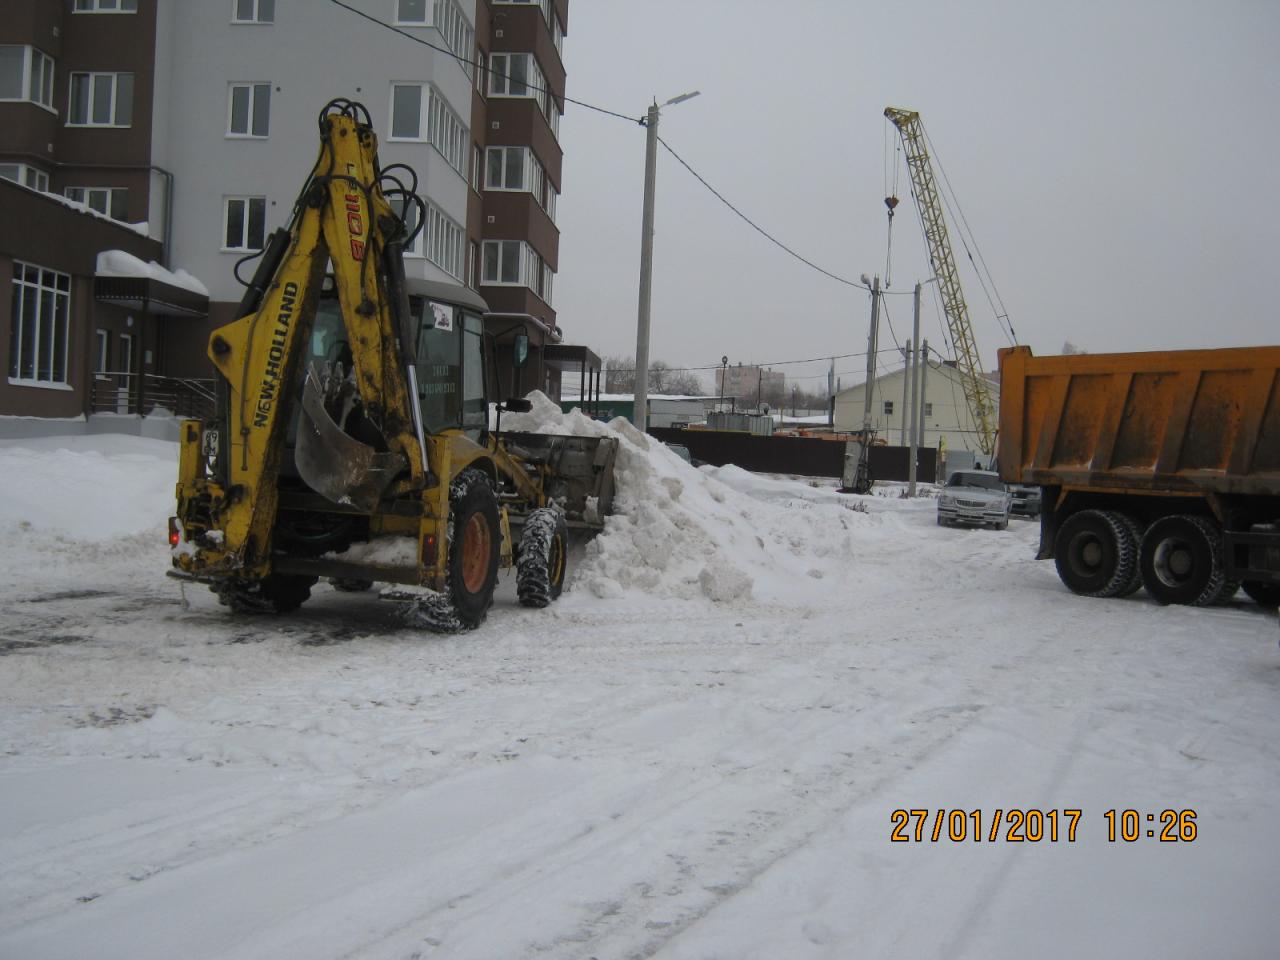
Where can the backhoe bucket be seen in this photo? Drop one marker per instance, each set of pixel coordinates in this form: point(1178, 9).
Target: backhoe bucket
point(333, 463)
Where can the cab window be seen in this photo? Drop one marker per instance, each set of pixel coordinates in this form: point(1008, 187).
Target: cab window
point(438, 369)
point(474, 409)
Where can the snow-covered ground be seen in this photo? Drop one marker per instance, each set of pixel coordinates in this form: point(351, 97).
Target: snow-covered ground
point(695, 753)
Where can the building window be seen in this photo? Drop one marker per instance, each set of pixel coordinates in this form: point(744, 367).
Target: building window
point(501, 262)
point(26, 74)
point(477, 164)
point(26, 175)
point(515, 75)
point(515, 263)
point(249, 110)
point(443, 242)
point(473, 263)
point(412, 13)
point(253, 11)
point(244, 223)
point(515, 168)
point(111, 202)
point(456, 31)
point(888, 408)
point(418, 112)
point(482, 70)
point(928, 409)
point(38, 330)
point(106, 6)
point(101, 100)
point(103, 363)
point(557, 35)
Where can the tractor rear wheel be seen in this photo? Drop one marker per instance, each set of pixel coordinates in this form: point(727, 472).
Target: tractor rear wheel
point(544, 552)
point(1181, 559)
point(1095, 553)
point(474, 543)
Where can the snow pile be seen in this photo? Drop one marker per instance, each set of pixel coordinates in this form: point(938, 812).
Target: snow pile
point(89, 488)
point(117, 263)
point(680, 532)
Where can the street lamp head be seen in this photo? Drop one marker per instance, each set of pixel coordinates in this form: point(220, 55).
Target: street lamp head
point(682, 98)
point(724, 361)
point(866, 281)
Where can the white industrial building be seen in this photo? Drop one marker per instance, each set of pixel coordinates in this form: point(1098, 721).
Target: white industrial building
point(948, 422)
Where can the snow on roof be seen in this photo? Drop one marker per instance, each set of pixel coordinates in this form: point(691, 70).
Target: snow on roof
point(117, 263)
point(141, 229)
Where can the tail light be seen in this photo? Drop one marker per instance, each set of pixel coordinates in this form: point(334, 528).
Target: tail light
point(175, 532)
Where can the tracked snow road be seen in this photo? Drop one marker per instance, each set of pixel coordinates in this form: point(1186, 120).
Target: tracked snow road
point(696, 752)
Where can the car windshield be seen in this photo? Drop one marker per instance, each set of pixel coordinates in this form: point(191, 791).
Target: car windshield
point(984, 481)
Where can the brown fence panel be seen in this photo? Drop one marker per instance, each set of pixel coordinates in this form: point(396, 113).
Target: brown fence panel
point(804, 456)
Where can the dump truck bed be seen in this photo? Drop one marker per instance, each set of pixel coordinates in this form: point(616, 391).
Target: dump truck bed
point(1186, 421)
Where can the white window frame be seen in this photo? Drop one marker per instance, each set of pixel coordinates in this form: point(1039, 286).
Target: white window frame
point(33, 57)
point(93, 86)
point(444, 240)
point(426, 21)
point(46, 285)
point(101, 6)
point(531, 270)
point(533, 178)
point(28, 176)
point(103, 355)
point(244, 229)
point(256, 17)
point(108, 197)
point(254, 87)
point(477, 166)
point(438, 125)
point(455, 30)
point(928, 409)
point(482, 72)
point(888, 408)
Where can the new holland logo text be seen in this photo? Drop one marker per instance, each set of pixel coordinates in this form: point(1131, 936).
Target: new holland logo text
point(270, 388)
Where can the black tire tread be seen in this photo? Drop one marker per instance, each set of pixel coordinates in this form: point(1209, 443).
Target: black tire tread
point(534, 584)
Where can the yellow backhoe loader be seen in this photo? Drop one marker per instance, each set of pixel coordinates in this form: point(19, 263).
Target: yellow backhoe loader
point(352, 437)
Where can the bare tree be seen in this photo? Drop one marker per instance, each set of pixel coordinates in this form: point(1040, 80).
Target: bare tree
point(620, 377)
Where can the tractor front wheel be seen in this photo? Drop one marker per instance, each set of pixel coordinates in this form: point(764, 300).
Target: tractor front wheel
point(544, 551)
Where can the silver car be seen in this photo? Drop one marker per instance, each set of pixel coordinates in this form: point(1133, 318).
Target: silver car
point(975, 497)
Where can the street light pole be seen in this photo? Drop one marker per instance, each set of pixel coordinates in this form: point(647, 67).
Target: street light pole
point(640, 413)
point(724, 372)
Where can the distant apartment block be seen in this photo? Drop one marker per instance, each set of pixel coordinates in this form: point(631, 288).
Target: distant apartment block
point(751, 385)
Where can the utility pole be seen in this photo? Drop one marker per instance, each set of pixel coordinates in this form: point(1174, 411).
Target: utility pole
point(640, 413)
point(924, 369)
point(872, 337)
point(831, 395)
point(917, 407)
point(906, 390)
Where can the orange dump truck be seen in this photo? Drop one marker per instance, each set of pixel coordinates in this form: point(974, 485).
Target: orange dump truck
point(1157, 470)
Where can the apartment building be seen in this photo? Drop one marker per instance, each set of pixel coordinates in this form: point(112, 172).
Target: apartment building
point(751, 385)
point(198, 118)
point(77, 181)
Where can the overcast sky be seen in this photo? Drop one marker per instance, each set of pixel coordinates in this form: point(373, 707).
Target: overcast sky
point(1115, 160)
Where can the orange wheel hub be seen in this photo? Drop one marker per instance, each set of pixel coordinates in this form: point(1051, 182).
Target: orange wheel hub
point(477, 546)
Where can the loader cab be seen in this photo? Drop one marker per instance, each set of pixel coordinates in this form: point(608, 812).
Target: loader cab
point(452, 382)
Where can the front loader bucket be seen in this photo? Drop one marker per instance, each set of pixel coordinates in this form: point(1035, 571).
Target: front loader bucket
point(334, 464)
point(580, 468)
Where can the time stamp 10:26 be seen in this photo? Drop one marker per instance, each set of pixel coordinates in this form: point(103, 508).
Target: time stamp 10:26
point(1015, 825)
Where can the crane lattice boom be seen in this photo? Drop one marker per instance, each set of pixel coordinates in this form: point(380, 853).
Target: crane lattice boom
point(976, 390)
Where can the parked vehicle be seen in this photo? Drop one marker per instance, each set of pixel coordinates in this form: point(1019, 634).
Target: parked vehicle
point(1026, 500)
point(1157, 470)
point(976, 498)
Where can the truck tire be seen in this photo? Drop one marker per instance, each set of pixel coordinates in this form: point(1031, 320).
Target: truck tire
point(1134, 533)
point(275, 593)
point(544, 553)
point(474, 542)
point(1263, 594)
point(1181, 560)
point(1095, 553)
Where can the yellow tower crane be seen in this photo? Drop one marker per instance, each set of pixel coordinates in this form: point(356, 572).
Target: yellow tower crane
point(977, 392)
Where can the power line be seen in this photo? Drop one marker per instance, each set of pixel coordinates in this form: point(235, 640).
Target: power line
point(472, 63)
